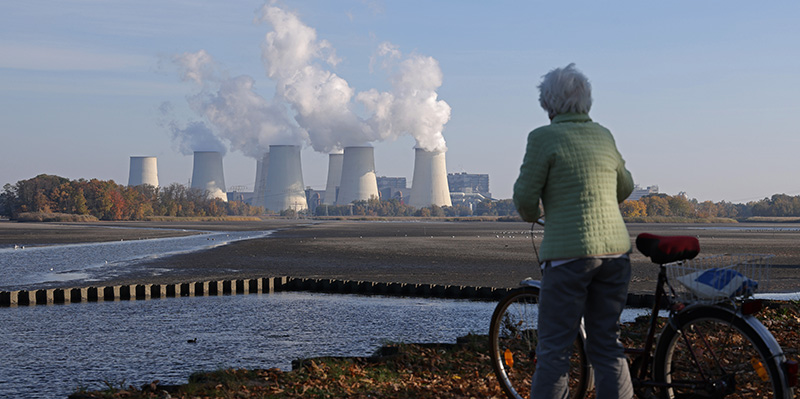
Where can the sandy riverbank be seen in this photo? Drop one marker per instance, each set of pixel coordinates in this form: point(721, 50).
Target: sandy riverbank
point(497, 254)
point(13, 233)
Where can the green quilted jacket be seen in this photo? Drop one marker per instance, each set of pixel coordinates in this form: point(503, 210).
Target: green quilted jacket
point(574, 167)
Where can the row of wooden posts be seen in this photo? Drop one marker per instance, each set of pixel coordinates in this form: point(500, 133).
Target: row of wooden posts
point(264, 285)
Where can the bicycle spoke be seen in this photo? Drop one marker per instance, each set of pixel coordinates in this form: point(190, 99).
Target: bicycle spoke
point(514, 338)
point(711, 358)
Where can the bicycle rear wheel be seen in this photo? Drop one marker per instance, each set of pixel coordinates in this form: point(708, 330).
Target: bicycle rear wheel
point(713, 352)
point(513, 337)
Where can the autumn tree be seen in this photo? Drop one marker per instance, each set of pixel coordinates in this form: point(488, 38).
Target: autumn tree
point(632, 209)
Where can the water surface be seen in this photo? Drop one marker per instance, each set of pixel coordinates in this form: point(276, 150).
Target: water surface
point(50, 351)
point(36, 266)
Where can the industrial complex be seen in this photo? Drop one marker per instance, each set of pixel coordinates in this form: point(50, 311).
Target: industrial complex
point(351, 177)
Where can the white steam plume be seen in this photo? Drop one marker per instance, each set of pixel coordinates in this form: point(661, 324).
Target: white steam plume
point(239, 115)
point(413, 107)
point(247, 121)
point(322, 101)
point(198, 67)
point(195, 136)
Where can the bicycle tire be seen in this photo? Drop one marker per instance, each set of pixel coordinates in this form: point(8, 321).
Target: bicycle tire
point(513, 339)
point(736, 356)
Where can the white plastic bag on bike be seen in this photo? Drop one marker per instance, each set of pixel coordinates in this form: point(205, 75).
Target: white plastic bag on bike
point(718, 283)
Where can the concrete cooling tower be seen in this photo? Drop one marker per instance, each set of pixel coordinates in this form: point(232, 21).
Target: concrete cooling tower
point(284, 187)
point(259, 192)
point(358, 175)
point(334, 178)
point(207, 174)
point(429, 186)
point(144, 170)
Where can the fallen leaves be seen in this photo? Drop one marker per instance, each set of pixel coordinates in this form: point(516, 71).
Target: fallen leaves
point(408, 371)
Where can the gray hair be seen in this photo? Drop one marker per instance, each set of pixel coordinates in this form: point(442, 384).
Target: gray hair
point(565, 90)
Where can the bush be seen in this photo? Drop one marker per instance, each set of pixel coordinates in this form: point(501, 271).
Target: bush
point(54, 217)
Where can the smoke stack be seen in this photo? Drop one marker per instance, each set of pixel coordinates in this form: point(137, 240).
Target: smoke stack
point(334, 178)
point(284, 185)
point(144, 170)
point(429, 186)
point(207, 174)
point(259, 192)
point(358, 175)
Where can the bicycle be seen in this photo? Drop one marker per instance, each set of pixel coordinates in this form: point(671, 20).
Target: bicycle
point(709, 347)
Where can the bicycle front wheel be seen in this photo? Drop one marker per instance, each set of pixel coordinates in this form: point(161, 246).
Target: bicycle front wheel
point(714, 352)
point(513, 338)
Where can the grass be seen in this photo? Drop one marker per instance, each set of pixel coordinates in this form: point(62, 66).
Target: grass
point(202, 219)
point(53, 217)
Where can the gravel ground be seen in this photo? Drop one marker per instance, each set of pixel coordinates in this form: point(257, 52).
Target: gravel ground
point(497, 254)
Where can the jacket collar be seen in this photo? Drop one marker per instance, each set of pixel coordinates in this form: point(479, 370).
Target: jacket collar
point(571, 117)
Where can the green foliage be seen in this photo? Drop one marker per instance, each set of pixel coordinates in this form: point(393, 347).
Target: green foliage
point(107, 200)
point(371, 207)
point(779, 205)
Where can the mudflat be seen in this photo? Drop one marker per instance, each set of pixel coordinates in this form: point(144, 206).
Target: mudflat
point(496, 254)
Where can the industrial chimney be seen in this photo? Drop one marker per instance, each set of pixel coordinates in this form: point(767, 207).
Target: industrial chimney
point(207, 174)
point(284, 187)
point(334, 178)
point(429, 186)
point(358, 175)
point(259, 192)
point(144, 170)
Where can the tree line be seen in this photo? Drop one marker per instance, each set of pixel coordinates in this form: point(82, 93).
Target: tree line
point(395, 207)
point(779, 205)
point(107, 200)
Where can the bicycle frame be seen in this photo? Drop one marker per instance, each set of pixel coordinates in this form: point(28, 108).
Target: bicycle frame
point(642, 357)
point(651, 365)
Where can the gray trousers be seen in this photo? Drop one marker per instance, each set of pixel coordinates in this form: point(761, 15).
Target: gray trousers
point(595, 289)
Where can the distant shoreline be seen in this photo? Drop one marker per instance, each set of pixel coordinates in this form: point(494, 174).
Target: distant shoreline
point(496, 254)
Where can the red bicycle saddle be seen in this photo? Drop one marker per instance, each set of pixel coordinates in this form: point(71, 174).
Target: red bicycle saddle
point(666, 249)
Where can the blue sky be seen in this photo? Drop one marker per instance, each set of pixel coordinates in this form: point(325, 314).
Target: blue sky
point(701, 96)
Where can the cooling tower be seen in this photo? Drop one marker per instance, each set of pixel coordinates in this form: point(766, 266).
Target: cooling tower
point(259, 192)
point(207, 174)
point(429, 186)
point(284, 185)
point(358, 175)
point(144, 170)
point(334, 178)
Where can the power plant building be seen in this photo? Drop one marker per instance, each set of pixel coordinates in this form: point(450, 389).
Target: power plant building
point(393, 187)
point(334, 178)
point(284, 187)
point(639, 192)
point(358, 181)
point(429, 185)
point(469, 183)
point(143, 170)
point(260, 187)
point(207, 174)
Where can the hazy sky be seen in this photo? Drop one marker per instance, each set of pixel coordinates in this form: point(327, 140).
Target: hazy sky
point(700, 95)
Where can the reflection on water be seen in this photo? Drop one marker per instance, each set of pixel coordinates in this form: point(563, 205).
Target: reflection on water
point(25, 268)
point(57, 349)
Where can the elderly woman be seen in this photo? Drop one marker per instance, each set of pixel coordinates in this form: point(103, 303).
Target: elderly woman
point(572, 165)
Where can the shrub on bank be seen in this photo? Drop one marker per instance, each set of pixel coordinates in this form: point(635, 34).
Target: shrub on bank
point(54, 217)
point(676, 219)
